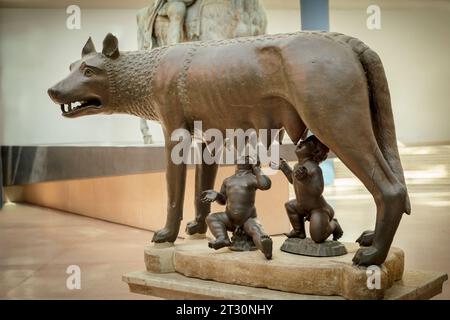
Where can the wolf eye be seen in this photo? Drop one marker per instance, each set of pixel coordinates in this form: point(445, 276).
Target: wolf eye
point(88, 72)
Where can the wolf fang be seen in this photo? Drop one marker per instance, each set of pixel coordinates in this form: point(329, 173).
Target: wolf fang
point(193, 310)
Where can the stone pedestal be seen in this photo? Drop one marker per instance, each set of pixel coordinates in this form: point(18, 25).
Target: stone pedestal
point(182, 271)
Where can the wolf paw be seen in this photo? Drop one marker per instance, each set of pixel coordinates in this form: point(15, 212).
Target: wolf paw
point(164, 235)
point(368, 256)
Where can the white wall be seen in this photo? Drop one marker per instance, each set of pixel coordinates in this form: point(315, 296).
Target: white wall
point(414, 46)
point(282, 21)
point(36, 49)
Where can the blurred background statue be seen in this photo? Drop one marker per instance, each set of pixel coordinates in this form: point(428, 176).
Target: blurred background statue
point(168, 22)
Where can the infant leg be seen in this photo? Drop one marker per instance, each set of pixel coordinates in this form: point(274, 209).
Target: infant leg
point(335, 226)
point(321, 227)
point(218, 224)
point(297, 220)
point(262, 241)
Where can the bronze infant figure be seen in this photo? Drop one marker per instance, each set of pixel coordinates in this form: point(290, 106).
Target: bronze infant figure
point(308, 184)
point(238, 194)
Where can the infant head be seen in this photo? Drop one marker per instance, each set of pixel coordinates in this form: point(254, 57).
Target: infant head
point(246, 163)
point(312, 149)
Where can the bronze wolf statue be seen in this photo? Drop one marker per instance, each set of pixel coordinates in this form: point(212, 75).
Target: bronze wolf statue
point(331, 83)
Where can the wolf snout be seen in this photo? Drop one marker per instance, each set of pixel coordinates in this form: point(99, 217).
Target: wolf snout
point(54, 94)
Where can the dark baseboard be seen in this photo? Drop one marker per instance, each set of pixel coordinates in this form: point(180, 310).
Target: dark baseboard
point(35, 164)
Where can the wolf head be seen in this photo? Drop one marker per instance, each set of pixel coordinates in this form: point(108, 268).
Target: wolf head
point(86, 90)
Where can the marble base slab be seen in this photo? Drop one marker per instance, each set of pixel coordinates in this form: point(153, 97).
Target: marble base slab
point(415, 285)
point(323, 276)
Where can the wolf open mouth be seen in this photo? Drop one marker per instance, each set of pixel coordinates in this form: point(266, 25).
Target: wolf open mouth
point(74, 107)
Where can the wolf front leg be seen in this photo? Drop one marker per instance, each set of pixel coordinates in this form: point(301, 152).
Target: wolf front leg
point(176, 182)
point(205, 176)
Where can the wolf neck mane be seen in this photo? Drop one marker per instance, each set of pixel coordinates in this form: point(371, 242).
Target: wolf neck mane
point(131, 82)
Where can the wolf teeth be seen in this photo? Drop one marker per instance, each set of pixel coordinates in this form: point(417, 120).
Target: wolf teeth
point(66, 108)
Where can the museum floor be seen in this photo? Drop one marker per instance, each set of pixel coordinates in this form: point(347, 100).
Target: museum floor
point(38, 244)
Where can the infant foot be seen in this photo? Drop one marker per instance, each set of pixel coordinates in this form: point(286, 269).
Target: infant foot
point(266, 247)
point(338, 232)
point(296, 234)
point(195, 227)
point(219, 243)
point(366, 238)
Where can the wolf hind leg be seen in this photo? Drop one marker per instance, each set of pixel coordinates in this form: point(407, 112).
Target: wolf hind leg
point(350, 136)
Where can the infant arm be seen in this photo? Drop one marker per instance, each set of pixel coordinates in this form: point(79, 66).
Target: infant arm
point(286, 169)
point(262, 181)
point(222, 195)
point(315, 184)
point(301, 173)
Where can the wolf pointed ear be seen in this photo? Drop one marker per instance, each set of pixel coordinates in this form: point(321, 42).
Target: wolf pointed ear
point(111, 46)
point(88, 48)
